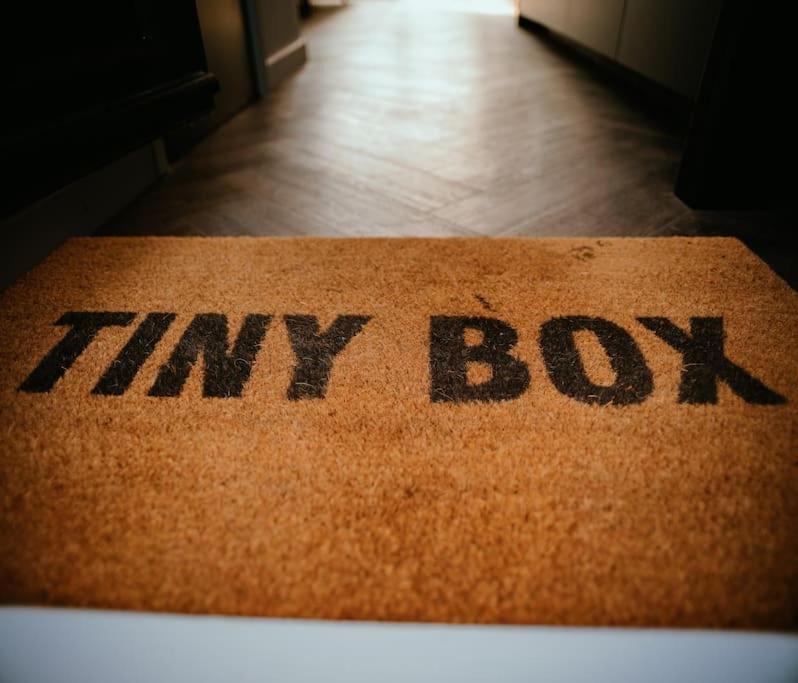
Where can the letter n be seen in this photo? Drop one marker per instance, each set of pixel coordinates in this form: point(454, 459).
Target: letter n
point(225, 373)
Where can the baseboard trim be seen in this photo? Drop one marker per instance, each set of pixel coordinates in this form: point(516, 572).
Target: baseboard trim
point(77, 209)
point(285, 61)
point(531, 25)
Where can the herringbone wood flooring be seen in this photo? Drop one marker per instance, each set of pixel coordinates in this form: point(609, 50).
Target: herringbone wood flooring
point(407, 122)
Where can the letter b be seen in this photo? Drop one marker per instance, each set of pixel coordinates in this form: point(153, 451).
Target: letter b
point(450, 356)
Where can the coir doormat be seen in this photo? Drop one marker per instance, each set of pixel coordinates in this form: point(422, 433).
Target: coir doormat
point(521, 431)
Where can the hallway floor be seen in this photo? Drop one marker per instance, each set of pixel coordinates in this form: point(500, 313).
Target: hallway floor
point(407, 123)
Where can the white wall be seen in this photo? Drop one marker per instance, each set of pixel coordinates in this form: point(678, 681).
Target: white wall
point(665, 40)
point(669, 40)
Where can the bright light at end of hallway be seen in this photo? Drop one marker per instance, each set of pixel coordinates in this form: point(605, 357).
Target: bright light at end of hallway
point(497, 7)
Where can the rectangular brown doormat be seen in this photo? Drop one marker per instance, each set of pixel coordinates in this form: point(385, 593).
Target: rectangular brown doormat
point(511, 431)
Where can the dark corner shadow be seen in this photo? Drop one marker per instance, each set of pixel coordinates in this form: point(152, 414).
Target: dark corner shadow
point(769, 234)
point(317, 15)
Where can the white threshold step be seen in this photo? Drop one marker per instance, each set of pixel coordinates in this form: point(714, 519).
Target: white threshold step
point(65, 645)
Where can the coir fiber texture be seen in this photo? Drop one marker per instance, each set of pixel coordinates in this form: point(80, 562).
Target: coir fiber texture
point(512, 431)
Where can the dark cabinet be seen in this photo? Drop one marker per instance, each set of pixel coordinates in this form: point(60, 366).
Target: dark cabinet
point(90, 81)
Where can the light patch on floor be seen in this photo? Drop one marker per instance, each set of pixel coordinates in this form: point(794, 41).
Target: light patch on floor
point(497, 7)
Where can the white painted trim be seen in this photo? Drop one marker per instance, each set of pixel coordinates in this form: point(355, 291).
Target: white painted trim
point(285, 52)
point(285, 61)
point(66, 645)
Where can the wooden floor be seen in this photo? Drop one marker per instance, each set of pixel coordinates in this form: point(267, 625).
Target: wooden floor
point(409, 122)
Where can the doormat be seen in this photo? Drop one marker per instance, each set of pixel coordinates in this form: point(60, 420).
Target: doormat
point(553, 431)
